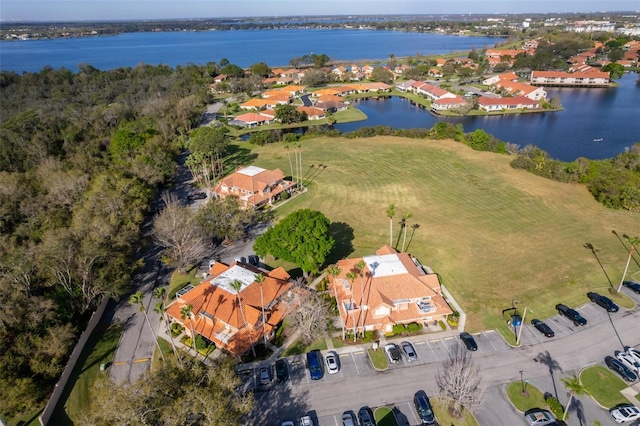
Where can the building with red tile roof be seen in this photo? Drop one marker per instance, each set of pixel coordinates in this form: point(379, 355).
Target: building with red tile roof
point(444, 104)
point(251, 119)
point(234, 321)
point(575, 79)
point(254, 186)
point(394, 288)
point(254, 104)
point(488, 104)
point(313, 113)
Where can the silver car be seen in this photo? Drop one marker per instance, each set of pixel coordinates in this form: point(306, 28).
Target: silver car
point(409, 351)
point(333, 365)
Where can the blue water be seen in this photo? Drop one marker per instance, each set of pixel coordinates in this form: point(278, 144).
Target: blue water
point(611, 114)
point(241, 47)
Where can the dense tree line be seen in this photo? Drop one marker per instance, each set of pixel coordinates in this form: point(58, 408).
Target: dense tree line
point(81, 158)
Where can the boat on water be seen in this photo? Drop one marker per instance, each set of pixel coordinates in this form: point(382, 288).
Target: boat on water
point(597, 140)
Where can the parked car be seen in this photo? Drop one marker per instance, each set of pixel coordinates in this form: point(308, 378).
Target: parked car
point(469, 341)
point(423, 407)
point(632, 285)
point(603, 301)
point(393, 352)
point(625, 413)
point(349, 419)
point(633, 352)
point(282, 370)
point(409, 351)
point(197, 196)
point(314, 363)
point(539, 417)
point(333, 366)
point(288, 423)
point(254, 260)
point(306, 421)
point(629, 361)
point(542, 327)
point(620, 368)
point(571, 314)
point(265, 375)
point(365, 415)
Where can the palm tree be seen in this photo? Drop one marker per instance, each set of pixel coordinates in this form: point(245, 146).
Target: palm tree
point(334, 271)
point(360, 267)
point(160, 308)
point(632, 241)
point(413, 231)
point(404, 221)
point(259, 280)
point(138, 299)
point(236, 286)
point(351, 276)
point(185, 312)
point(575, 387)
point(390, 213)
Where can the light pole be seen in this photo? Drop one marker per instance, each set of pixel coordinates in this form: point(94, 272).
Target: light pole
point(524, 314)
point(522, 380)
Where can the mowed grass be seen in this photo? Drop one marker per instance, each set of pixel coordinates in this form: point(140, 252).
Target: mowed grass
point(603, 385)
point(493, 233)
point(532, 398)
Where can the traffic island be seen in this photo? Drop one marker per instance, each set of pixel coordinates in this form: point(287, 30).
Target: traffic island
point(378, 359)
point(443, 414)
point(524, 396)
point(385, 417)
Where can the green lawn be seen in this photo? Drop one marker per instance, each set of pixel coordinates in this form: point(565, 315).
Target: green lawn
point(379, 359)
point(532, 398)
point(100, 350)
point(603, 385)
point(441, 410)
point(494, 234)
point(181, 279)
point(384, 416)
point(298, 347)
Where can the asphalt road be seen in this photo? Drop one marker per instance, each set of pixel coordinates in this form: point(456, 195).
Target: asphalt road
point(543, 363)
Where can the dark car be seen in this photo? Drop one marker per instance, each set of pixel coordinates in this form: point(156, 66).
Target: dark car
point(423, 407)
point(542, 327)
point(265, 375)
point(365, 415)
point(254, 260)
point(603, 301)
point(620, 368)
point(315, 364)
point(572, 314)
point(197, 196)
point(393, 352)
point(282, 370)
point(633, 286)
point(468, 341)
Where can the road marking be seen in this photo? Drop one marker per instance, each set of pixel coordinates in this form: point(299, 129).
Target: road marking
point(358, 353)
point(446, 338)
point(419, 343)
point(490, 342)
point(141, 360)
point(120, 363)
point(355, 363)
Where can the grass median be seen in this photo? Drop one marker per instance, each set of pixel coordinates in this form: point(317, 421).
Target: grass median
point(531, 398)
point(444, 417)
point(494, 234)
point(603, 386)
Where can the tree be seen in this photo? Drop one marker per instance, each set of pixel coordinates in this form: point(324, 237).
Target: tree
point(176, 230)
point(351, 276)
point(288, 114)
point(632, 241)
point(615, 70)
point(138, 299)
point(360, 266)
point(405, 217)
point(381, 74)
point(459, 380)
point(390, 213)
point(302, 238)
point(334, 271)
point(186, 312)
point(207, 147)
point(314, 78)
point(260, 69)
point(159, 292)
point(237, 286)
point(232, 70)
point(575, 387)
point(260, 280)
point(311, 316)
point(320, 60)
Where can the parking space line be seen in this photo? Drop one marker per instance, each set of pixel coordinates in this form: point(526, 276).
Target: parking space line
point(355, 363)
point(413, 413)
point(432, 351)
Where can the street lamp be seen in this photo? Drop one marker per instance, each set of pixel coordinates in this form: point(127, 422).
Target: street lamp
point(522, 380)
point(524, 314)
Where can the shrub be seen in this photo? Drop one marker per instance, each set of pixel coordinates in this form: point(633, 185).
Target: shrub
point(554, 406)
point(399, 329)
point(176, 329)
point(414, 327)
point(285, 195)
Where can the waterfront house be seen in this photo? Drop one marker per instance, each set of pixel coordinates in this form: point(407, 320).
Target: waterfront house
point(394, 288)
point(572, 79)
point(405, 86)
point(234, 321)
point(251, 119)
point(254, 186)
point(444, 104)
point(313, 113)
point(254, 104)
point(488, 104)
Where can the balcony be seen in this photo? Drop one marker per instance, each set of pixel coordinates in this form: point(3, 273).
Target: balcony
point(426, 307)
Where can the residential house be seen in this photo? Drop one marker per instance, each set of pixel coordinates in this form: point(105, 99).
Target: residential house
point(313, 113)
point(254, 104)
point(251, 119)
point(444, 104)
point(488, 104)
point(234, 321)
point(575, 79)
point(507, 76)
point(394, 288)
point(405, 86)
point(521, 89)
point(254, 186)
point(331, 106)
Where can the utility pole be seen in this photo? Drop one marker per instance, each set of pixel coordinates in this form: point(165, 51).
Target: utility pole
point(524, 314)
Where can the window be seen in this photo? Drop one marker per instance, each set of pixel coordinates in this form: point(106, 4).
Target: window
point(348, 306)
point(345, 283)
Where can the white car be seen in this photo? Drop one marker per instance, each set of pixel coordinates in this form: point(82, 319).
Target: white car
point(634, 353)
point(625, 413)
point(288, 423)
point(629, 361)
point(332, 362)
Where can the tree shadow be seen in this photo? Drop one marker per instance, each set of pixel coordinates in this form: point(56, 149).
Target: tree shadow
point(313, 173)
point(615, 330)
point(624, 244)
point(238, 156)
point(343, 235)
point(279, 404)
point(545, 358)
point(578, 407)
point(401, 418)
point(595, 254)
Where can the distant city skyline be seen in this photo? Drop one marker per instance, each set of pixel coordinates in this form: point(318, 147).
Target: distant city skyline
point(105, 10)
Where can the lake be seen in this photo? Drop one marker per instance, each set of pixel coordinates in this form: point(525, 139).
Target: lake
point(241, 47)
point(610, 114)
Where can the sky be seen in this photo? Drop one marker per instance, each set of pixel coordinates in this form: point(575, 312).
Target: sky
point(83, 10)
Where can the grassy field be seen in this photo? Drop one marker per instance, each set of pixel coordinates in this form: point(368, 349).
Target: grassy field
point(298, 347)
point(533, 398)
point(603, 386)
point(494, 234)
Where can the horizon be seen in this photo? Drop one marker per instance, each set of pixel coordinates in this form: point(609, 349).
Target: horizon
point(69, 11)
